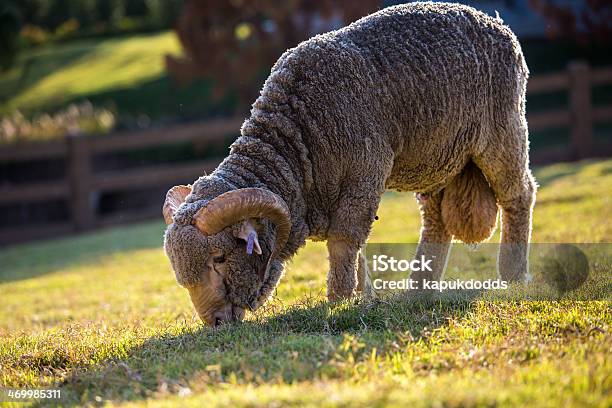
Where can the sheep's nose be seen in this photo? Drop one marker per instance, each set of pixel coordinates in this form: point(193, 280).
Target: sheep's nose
point(222, 317)
point(227, 315)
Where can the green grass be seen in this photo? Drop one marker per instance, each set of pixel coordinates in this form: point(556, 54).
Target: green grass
point(124, 73)
point(101, 316)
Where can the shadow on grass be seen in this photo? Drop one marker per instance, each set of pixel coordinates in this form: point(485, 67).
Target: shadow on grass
point(35, 259)
point(304, 342)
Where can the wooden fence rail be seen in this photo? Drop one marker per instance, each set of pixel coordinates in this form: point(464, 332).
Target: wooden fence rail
point(82, 183)
point(580, 116)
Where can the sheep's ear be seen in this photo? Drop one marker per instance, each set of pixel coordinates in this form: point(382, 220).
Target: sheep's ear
point(248, 233)
point(174, 198)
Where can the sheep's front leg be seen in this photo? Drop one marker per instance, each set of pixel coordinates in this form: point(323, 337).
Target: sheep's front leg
point(342, 281)
point(342, 277)
point(348, 232)
point(349, 228)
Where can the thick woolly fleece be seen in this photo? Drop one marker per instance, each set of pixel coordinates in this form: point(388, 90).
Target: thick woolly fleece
point(402, 99)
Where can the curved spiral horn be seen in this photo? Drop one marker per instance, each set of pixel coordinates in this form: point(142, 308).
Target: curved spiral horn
point(174, 198)
point(234, 206)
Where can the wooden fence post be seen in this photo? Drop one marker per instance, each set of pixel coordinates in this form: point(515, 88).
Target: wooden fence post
point(79, 173)
point(581, 109)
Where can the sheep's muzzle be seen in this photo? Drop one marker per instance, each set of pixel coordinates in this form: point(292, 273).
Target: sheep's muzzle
point(211, 306)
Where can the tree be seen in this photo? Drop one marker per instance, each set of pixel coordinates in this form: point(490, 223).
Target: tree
point(590, 20)
point(236, 42)
point(10, 24)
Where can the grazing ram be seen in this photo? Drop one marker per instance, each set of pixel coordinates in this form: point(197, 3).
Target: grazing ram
point(422, 97)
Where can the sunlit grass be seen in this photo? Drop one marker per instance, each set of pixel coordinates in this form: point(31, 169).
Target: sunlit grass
point(101, 316)
point(67, 72)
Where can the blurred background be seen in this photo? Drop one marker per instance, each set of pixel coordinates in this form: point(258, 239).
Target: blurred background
point(105, 104)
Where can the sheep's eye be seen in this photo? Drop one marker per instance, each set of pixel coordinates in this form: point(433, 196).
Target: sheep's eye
point(219, 259)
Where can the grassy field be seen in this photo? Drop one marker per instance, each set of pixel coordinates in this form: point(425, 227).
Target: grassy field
point(126, 74)
point(101, 317)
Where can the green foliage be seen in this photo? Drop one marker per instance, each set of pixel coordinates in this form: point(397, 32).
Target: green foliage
point(28, 23)
point(100, 316)
point(10, 24)
point(99, 16)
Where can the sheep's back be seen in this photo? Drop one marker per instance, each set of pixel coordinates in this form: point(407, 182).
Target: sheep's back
point(425, 61)
point(413, 78)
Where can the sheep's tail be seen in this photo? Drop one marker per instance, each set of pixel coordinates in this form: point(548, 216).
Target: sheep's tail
point(469, 207)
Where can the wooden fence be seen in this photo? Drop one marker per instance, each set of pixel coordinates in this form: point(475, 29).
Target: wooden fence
point(580, 116)
point(82, 183)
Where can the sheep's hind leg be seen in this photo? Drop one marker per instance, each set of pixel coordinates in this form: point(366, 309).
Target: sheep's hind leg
point(506, 168)
point(516, 203)
point(434, 242)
